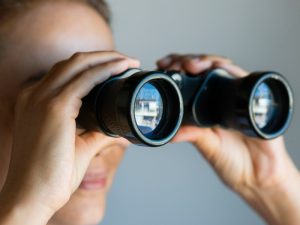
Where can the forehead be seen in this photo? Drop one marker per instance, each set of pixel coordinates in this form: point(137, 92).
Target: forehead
point(51, 32)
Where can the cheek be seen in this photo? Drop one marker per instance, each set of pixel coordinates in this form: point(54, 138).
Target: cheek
point(108, 161)
point(4, 158)
point(5, 152)
point(6, 123)
point(112, 157)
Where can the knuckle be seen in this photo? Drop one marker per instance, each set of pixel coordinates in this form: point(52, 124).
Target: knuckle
point(39, 103)
point(110, 65)
point(219, 64)
point(24, 95)
point(204, 57)
point(89, 72)
point(117, 65)
point(113, 52)
point(93, 136)
point(58, 65)
point(117, 54)
point(55, 105)
point(28, 100)
point(224, 58)
point(22, 99)
point(173, 55)
point(78, 56)
point(187, 57)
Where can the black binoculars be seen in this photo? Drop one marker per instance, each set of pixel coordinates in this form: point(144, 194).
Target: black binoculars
point(148, 107)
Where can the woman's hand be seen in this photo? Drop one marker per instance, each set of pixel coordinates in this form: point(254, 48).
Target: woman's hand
point(259, 170)
point(49, 158)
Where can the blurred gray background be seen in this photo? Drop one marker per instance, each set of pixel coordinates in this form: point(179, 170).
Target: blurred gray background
point(173, 185)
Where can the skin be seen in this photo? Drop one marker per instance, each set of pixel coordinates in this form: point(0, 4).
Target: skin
point(47, 167)
point(260, 171)
point(35, 46)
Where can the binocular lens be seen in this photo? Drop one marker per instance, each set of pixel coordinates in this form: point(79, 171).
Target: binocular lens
point(148, 108)
point(144, 107)
point(263, 105)
point(271, 104)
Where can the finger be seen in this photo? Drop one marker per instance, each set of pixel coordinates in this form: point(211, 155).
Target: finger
point(167, 61)
point(64, 71)
point(163, 63)
point(175, 66)
point(196, 65)
point(192, 64)
point(205, 139)
point(81, 85)
point(232, 69)
point(215, 58)
point(190, 134)
point(202, 57)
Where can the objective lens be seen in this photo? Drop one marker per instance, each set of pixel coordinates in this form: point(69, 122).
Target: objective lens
point(263, 105)
point(148, 108)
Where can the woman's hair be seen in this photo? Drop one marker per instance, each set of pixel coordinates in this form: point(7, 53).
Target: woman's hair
point(9, 7)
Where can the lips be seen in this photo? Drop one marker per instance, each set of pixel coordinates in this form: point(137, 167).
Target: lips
point(94, 181)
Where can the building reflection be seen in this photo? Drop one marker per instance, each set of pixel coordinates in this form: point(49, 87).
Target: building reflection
point(148, 108)
point(263, 105)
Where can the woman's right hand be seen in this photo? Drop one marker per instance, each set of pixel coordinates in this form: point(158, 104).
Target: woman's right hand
point(49, 158)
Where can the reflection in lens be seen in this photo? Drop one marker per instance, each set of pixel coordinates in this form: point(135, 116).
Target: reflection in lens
point(148, 108)
point(263, 105)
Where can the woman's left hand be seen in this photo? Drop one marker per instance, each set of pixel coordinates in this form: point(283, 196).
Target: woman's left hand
point(260, 171)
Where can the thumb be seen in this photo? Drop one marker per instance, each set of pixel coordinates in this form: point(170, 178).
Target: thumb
point(206, 140)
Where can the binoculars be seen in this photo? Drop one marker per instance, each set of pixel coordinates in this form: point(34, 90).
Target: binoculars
point(148, 107)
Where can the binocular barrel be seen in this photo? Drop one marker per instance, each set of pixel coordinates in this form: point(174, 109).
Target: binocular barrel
point(147, 108)
point(144, 107)
point(258, 105)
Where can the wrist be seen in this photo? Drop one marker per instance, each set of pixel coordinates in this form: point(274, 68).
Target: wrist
point(15, 211)
point(279, 203)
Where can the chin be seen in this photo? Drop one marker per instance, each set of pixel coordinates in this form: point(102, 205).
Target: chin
point(83, 208)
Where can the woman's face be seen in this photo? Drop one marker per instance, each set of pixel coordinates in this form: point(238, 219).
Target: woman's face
point(32, 43)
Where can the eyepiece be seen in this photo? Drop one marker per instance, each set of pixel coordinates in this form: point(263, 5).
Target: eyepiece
point(259, 105)
point(144, 107)
point(271, 105)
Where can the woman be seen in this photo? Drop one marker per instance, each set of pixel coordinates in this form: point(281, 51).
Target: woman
point(54, 173)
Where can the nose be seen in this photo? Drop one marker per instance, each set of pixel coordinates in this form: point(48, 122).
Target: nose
point(117, 141)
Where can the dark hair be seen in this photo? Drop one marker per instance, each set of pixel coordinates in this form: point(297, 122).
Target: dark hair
point(7, 7)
